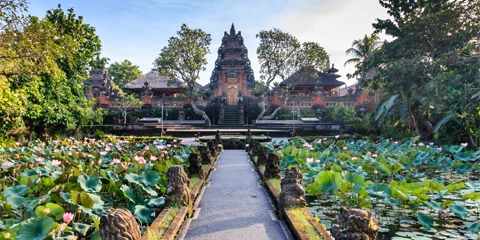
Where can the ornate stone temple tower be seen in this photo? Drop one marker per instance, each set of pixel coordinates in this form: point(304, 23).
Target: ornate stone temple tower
point(232, 76)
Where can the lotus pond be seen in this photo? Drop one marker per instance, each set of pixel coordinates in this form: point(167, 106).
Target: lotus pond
point(57, 189)
point(415, 190)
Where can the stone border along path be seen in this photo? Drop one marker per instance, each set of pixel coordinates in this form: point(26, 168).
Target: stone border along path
point(234, 205)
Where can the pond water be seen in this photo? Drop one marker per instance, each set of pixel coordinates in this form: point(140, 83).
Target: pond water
point(399, 224)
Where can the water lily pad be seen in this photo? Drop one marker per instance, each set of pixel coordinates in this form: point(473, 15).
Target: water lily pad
point(425, 220)
point(81, 228)
point(475, 227)
point(90, 183)
point(379, 190)
point(459, 211)
point(127, 192)
point(149, 178)
point(433, 205)
point(329, 182)
point(35, 229)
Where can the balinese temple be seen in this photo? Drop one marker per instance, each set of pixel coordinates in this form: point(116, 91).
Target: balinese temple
point(98, 86)
point(312, 87)
point(232, 76)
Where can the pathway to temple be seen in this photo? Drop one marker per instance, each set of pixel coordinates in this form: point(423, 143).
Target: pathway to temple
point(234, 205)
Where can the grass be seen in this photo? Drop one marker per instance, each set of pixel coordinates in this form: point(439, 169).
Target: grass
point(151, 234)
point(307, 227)
point(261, 168)
point(193, 181)
point(276, 184)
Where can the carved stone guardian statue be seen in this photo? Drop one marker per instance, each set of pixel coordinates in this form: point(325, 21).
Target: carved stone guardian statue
point(195, 165)
point(177, 189)
point(205, 154)
point(211, 146)
point(272, 170)
point(262, 155)
point(292, 190)
point(355, 224)
point(119, 224)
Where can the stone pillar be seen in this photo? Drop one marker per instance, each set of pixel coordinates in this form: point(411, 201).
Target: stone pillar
point(292, 190)
point(177, 189)
point(119, 224)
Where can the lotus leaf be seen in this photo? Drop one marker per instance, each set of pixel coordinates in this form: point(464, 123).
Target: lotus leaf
point(111, 175)
point(149, 178)
point(90, 183)
point(379, 190)
point(82, 199)
point(81, 228)
point(474, 185)
point(55, 210)
point(462, 168)
point(329, 182)
point(356, 180)
point(156, 202)
point(35, 229)
point(433, 205)
point(133, 178)
point(459, 211)
point(473, 196)
point(475, 227)
point(18, 190)
point(127, 192)
point(453, 149)
point(425, 220)
point(465, 156)
point(143, 213)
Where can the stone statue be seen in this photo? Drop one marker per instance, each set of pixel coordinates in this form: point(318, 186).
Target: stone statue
point(272, 170)
point(177, 189)
point(205, 154)
point(212, 147)
point(262, 155)
point(355, 224)
point(218, 137)
point(119, 224)
point(292, 190)
point(195, 165)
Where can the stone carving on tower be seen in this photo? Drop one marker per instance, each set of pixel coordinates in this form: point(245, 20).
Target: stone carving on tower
point(233, 75)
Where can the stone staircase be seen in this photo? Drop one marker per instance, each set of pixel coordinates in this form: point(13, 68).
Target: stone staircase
point(231, 117)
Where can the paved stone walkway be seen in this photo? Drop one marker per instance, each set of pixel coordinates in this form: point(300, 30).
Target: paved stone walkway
point(234, 206)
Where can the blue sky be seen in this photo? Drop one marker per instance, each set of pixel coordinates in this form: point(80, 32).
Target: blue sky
point(138, 29)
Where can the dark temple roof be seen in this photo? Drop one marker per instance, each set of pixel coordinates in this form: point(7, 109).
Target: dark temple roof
point(310, 78)
point(155, 81)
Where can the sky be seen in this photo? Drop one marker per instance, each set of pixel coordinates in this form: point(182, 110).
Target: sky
point(137, 30)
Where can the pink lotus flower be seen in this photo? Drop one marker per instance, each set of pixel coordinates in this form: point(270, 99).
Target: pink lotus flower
point(169, 145)
point(116, 161)
point(99, 161)
point(344, 148)
point(431, 143)
point(56, 163)
point(7, 164)
point(374, 155)
point(319, 141)
point(421, 144)
point(67, 217)
point(141, 160)
point(396, 142)
point(153, 158)
point(39, 159)
point(337, 136)
point(103, 153)
point(107, 149)
point(74, 147)
point(312, 148)
point(43, 144)
point(309, 160)
point(55, 141)
point(464, 144)
point(439, 149)
point(414, 145)
point(318, 160)
point(69, 153)
point(354, 158)
point(147, 148)
point(174, 140)
point(165, 152)
point(39, 149)
point(324, 139)
point(307, 145)
point(182, 142)
point(55, 151)
point(161, 147)
point(18, 144)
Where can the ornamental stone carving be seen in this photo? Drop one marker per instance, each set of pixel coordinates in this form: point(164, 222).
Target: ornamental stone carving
point(355, 224)
point(177, 189)
point(205, 154)
point(272, 170)
point(292, 190)
point(195, 165)
point(262, 155)
point(119, 224)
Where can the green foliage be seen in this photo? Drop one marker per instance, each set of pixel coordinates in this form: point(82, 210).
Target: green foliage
point(362, 50)
point(340, 114)
point(124, 72)
point(35, 229)
point(183, 59)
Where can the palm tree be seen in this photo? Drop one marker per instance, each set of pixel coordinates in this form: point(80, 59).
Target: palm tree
point(361, 50)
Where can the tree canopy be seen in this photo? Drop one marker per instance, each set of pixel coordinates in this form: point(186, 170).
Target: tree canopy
point(429, 70)
point(43, 65)
point(183, 59)
point(124, 72)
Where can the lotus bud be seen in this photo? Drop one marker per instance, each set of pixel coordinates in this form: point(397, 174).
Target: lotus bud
point(6, 235)
point(46, 211)
point(375, 172)
point(359, 167)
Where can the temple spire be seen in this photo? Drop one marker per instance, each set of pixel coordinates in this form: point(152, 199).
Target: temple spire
point(232, 30)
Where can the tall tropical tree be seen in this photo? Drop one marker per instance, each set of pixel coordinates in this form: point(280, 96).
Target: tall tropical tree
point(362, 50)
point(183, 59)
point(281, 55)
point(124, 72)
